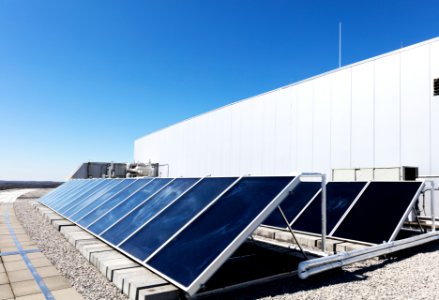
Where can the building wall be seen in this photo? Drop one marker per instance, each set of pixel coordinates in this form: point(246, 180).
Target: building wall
point(377, 113)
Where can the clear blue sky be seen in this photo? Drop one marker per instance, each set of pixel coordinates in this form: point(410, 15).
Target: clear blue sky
point(81, 80)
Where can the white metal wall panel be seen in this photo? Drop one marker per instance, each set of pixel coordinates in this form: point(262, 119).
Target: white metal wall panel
point(259, 140)
point(304, 126)
point(294, 137)
point(283, 133)
point(341, 119)
point(387, 111)
point(434, 73)
point(415, 108)
point(233, 165)
point(245, 134)
point(362, 115)
point(226, 142)
point(215, 140)
point(269, 123)
point(322, 125)
point(377, 113)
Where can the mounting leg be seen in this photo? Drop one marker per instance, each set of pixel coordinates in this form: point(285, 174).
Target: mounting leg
point(291, 231)
point(417, 220)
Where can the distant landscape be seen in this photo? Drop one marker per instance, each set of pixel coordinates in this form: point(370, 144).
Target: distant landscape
point(5, 184)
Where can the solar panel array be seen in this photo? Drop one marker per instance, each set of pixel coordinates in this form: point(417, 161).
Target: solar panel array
point(157, 221)
point(371, 212)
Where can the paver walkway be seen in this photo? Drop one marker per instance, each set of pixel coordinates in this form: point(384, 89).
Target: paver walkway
point(25, 273)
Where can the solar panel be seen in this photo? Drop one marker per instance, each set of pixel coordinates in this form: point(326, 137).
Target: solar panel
point(154, 233)
point(60, 196)
point(157, 218)
point(211, 237)
point(61, 189)
point(99, 199)
point(72, 208)
point(379, 213)
point(112, 202)
point(81, 193)
point(339, 197)
point(294, 203)
point(142, 213)
point(105, 221)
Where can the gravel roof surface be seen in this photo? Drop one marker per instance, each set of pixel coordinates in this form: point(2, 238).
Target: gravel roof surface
point(411, 274)
point(83, 276)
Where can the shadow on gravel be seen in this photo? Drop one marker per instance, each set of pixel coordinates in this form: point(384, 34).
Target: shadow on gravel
point(295, 285)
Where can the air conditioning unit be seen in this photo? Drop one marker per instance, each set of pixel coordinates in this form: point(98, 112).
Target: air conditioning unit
point(382, 174)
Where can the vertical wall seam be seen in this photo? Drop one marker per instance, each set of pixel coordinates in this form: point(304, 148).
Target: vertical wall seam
point(290, 131)
point(330, 124)
point(400, 109)
point(430, 97)
point(374, 116)
point(275, 162)
point(350, 127)
point(297, 129)
point(312, 125)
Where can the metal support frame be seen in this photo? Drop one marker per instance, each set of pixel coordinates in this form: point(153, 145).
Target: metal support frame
point(319, 265)
point(291, 231)
point(323, 205)
point(417, 220)
point(432, 200)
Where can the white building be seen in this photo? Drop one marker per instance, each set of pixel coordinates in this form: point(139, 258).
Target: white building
point(380, 112)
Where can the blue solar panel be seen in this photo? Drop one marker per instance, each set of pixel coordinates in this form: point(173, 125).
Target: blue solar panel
point(184, 229)
point(100, 199)
point(62, 196)
point(72, 208)
point(213, 235)
point(59, 191)
point(377, 213)
point(78, 194)
point(294, 204)
point(339, 197)
point(108, 219)
point(154, 233)
point(112, 202)
point(141, 214)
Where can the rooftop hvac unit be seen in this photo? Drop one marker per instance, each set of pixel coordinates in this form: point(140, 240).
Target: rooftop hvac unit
point(382, 174)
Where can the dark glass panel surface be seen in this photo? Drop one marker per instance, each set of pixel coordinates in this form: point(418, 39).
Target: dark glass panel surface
point(81, 193)
point(86, 199)
point(203, 240)
point(145, 211)
point(100, 199)
point(148, 239)
point(339, 196)
point(377, 212)
point(108, 205)
point(59, 190)
point(293, 204)
point(124, 207)
point(63, 197)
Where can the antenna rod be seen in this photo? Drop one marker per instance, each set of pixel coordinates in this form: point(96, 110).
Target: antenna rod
point(339, 44)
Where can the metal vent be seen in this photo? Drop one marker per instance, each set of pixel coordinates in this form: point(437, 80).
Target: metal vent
point(436, 87)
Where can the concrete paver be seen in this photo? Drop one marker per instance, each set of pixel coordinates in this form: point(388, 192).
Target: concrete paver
point(57, 283)
point(26, 287)
point(20, 275)
point(16, 279)
point(6, 292)
point(64, 294)
point(3, 278)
